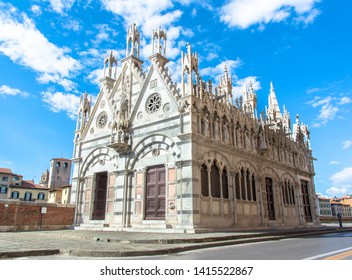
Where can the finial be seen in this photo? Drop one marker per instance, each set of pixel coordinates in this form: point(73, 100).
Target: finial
point(271, 86)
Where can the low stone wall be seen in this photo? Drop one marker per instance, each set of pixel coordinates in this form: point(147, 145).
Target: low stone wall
point(331, 219)
point(19, 216)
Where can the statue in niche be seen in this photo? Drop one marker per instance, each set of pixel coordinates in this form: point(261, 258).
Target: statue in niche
point(247, 141)
point(115, 126)
point(239, 136)
point(205, 126)
point(226, 133)
point(216, 129)
point(254, 142)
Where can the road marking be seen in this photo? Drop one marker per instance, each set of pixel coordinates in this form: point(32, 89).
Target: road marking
point(329, 254)
point(340, 256)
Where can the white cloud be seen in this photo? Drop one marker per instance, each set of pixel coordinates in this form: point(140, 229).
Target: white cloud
point(217, 71)
point(244, 13)
point(342, 178)
point(143, 12)
point(24, 44)
point(148, 16)
point(60, 6)
point(95, 76)
point(6, 90)
point(334, 191)
point(345, 100)
point(36, 10)
point(329, 108)
point(341, 182)
point(105, 33)
point(238, 85)
point(327, 113)
point(333, 162)
point(62, 102)
point(346, 144)
point(72, 24)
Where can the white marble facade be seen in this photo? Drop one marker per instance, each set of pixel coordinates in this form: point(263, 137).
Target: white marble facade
point(155, 155)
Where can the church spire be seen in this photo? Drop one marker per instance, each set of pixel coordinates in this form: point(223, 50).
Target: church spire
point(273, 111)
point(225, 87)
point(133, 41)
point(190, 76)
point(250, 101)
point(159, 41)
point(159, 47)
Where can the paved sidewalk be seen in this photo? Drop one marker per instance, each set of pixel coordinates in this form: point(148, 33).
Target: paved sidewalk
point(123, 244)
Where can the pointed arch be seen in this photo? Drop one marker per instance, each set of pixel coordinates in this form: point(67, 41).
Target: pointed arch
point(150, 142)
point(102, 155)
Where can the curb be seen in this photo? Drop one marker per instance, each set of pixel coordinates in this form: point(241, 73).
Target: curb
point(196, 243)
point(28, 253)
point(196, 246)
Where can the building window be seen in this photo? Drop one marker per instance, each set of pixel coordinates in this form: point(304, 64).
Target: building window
point(5, 178)
point(102, 120)
point(65, 165)
point(238, 186)
point(28, 196)
point(3, 189)
point(288, 192)
point(153, 103)
point(204, 181)
point(225, 185)
point(245, 185)
point(15, 195)
point(41, 196)
point(16, 178)
point(219, 186)
point(58, 164)
point(215, 181)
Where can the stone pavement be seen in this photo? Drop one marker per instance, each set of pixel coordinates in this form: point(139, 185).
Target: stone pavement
point(125, 244)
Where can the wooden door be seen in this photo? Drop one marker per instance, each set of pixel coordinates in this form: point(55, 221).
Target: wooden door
point(155, 193)
point(305, 200)
point(100, 196)
point(270, 198)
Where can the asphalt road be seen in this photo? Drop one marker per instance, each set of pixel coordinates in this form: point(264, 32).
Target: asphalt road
point(329, 246)
point(317, 247)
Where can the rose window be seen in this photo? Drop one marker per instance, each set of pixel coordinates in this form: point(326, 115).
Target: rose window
point(154, 103)
point(102, 120)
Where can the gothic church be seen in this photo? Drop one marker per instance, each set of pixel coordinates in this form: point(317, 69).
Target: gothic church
point(153, 155)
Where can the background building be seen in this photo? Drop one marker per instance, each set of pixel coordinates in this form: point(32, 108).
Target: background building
point(324, 206)
point(61, 195)
point(59, 173)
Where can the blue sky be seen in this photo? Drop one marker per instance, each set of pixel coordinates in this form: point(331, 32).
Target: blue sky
point(52, 51)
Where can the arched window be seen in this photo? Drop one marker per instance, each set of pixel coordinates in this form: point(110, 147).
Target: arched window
point(225, 186)
point(243, 184)
point(248, 183)
point(238, 186)
point(204, 181)
point(58, 164)
point(254, 191)
point(215, 181)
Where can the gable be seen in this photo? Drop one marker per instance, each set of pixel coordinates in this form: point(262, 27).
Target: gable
point(155, 101)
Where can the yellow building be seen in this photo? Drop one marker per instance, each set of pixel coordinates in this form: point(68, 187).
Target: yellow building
point(7, 180)
point(28, 191)
point(61, 195)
